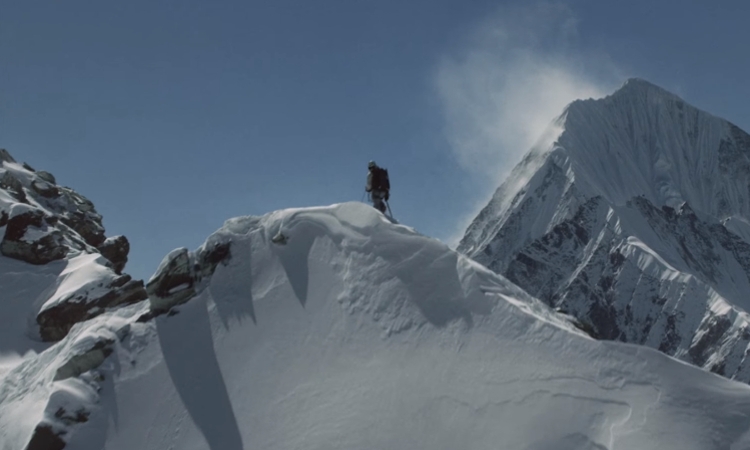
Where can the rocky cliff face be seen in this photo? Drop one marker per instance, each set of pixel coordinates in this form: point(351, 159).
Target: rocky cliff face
point(634, 221)
point(59, 270)
point(42, 223)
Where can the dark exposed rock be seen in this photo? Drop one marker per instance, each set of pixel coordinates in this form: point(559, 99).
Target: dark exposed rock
point(173, 283)
point(3, 218)
point(90, 230)
point(80, 416)
point(56, 322)
point(604, 321)
point(86, 361)
point(45, 189)
point(45, 249)
point(45, 438)
point(5, 156)
point(116, 250)
point(73, 209)
point(13, 186)
point(671, 339)
point(616, 259)
point(691, 237)
point(46, 176)
point(216, 254)
point(715, 327)
point(602, 285)
point(175, 280)
point(586, 327)
point(18, 225)
point(28, 167)
point(42, 251)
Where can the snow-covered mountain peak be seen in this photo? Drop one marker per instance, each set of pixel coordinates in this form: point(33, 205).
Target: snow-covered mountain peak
point(636, 221)
point(634, 93)
point(640, 87)
point(645, 141)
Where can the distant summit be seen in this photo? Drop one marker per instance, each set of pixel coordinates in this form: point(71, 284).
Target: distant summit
point(639, 86)
point(635, 220)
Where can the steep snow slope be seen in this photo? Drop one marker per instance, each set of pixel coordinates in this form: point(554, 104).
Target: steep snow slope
point(635, 221)
point(358, 333)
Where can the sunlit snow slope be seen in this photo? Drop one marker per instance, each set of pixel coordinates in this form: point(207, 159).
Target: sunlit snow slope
point(635, 221)
point(360, 334)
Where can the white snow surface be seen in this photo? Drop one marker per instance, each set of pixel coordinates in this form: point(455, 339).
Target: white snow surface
point(639, 141)
point(27, 365)
point(85, 276)
point(362, 334)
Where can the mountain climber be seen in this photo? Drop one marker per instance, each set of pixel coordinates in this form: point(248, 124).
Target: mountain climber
point(378, 186)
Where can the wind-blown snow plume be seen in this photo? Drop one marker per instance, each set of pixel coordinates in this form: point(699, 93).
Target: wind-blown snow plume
point(501, 92)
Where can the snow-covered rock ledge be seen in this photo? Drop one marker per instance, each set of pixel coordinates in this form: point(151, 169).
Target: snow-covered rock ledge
point(58, 230)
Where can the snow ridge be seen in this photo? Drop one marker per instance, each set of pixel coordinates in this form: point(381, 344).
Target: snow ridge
point(359, 333)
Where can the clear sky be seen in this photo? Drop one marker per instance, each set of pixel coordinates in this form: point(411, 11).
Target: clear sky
point(172, 116)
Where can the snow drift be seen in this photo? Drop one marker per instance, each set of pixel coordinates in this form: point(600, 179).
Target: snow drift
point(358, 333)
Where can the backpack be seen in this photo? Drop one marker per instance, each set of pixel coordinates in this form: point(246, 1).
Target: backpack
point(380, 180)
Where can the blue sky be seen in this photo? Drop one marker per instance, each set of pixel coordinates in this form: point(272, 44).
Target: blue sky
point(174, 116)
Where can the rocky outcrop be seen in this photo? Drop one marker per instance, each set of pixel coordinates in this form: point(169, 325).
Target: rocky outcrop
point(46, 176)
point(5, 156)
point(30, 236)
point(116, 250)
point(590, 267)
point(176, 279)
point(40, 190)
point(45, 189)
point(13, 186)
point(46, 438)
point(173, 282)
point(55, 322)
point(43, 222)
point(83, 219)
point(85, 361)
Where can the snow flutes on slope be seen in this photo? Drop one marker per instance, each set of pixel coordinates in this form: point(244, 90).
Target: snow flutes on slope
point(353, 332)
point(636, 221)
